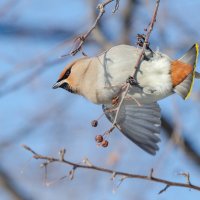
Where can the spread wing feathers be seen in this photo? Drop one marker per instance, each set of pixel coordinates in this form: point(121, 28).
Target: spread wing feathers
point(141, 124)
point(185, 87)
point(190, 56)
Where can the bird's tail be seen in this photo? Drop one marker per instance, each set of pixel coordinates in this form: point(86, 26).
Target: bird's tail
point(190, 58)
point(197, 75)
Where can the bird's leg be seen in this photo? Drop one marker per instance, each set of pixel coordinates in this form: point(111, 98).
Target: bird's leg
point(115, 101)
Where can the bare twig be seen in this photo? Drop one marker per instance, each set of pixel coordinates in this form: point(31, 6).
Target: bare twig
point(151, 173)
point(145, 44)
point(113, 173)
point(121, 180)
point(187, 176)
point(62, 154)
point(81, 39)
point(164, 189)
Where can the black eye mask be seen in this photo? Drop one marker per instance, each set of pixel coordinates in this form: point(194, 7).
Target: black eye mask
point(67, 87)
point(66, 75)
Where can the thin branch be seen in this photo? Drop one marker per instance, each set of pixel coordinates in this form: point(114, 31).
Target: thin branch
point(113, 173)
point(81, 39)
point(164, 189)
point(145, 45)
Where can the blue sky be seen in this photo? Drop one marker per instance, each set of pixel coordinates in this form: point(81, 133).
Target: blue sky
point(66, 121)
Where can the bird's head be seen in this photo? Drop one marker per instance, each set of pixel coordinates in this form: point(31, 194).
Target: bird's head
point(71, 76)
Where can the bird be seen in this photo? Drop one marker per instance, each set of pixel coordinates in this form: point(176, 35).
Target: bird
point(101, 79)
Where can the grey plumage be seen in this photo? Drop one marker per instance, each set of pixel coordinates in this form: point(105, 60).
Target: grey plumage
point(184, 87)
point(190, 56)
point(101, 78)
point(141, 124)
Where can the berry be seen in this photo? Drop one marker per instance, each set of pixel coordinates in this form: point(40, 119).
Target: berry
point(104, 143)
point(99, 138)
point(94, 123)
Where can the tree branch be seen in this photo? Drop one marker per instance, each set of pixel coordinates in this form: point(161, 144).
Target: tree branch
point(81, 39)
point(145, 45)
point(88, 165)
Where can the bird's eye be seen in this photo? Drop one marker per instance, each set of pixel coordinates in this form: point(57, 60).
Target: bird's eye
point(64, 75)
point(67, 73)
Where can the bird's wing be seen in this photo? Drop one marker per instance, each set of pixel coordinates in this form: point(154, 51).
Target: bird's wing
point(141, 124)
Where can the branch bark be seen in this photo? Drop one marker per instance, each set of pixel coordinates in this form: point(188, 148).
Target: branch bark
point(114, 173)
point(145, 44)
point(81, 39)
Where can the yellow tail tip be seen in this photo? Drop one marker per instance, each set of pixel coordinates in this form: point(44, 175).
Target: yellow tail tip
point(194, 69)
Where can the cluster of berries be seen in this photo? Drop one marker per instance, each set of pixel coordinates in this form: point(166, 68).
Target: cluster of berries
point(99, 138)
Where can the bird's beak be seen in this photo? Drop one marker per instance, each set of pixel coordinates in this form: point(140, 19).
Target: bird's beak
point(64, 85)
point(57, 85)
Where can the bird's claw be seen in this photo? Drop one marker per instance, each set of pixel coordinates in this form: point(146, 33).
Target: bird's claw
point(132, 81)
point(115, 101)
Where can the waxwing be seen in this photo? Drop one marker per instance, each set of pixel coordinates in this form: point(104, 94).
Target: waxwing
point(101, 79)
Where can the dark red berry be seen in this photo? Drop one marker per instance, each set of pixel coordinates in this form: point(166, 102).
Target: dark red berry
point(94, 123)
point(99, 138)
point(104, 143)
